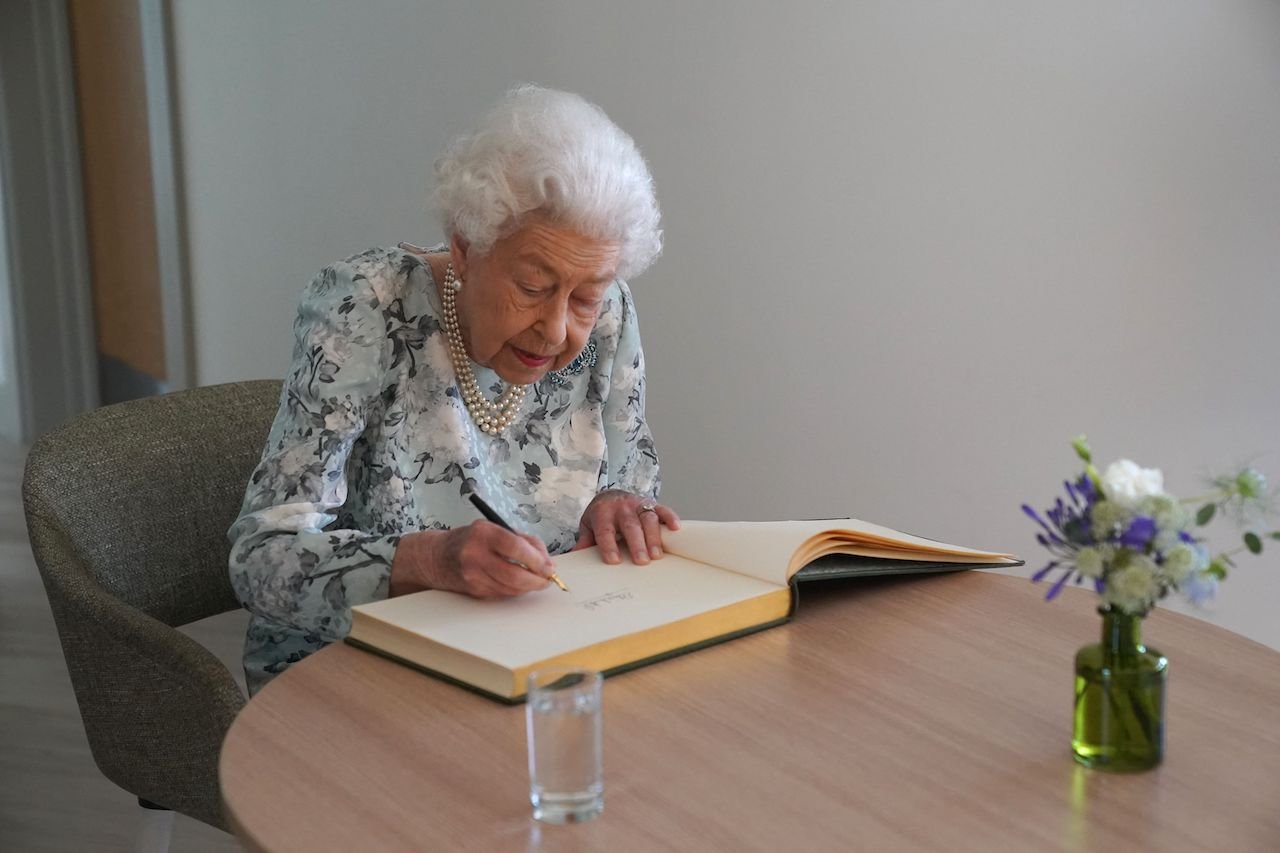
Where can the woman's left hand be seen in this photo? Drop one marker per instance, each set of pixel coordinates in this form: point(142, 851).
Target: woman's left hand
point(615, 515)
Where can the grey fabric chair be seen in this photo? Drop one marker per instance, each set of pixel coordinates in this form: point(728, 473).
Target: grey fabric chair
point(127, 509)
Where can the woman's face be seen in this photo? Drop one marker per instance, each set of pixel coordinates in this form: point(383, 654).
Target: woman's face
point(528, 305)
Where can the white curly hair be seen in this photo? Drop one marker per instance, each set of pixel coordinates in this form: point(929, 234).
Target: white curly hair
point(550, 152)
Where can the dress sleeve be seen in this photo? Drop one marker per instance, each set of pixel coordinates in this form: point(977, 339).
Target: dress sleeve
point(633, 461)
point(285, 565)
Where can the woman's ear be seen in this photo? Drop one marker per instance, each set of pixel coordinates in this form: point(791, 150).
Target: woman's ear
point(458, 256)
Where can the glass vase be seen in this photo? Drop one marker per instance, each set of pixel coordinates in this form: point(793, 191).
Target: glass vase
point(1119, 710)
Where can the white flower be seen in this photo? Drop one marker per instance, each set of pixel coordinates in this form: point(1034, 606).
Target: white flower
point(1179, 561)
point(1168, 512)
point(1126, 483)
point(1090, 562)
point(1107, 518)
point(1134, 588)
point(1166, 539)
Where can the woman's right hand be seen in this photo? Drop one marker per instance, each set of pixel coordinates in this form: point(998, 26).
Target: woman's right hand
point(481, 560)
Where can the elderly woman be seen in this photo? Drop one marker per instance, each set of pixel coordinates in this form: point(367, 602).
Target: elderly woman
point(507, 364)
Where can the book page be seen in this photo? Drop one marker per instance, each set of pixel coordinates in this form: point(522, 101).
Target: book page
point(775, 550)
point(603, 602)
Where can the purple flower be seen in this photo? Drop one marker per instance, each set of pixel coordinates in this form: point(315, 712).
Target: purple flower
point(1084, 490)
point(1065, 529)
point(1139, 533)
point(1200, 587)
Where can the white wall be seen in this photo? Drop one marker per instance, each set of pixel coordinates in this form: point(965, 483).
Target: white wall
point(912, 247)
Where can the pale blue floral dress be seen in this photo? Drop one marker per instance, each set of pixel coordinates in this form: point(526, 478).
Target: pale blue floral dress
point(371, 441)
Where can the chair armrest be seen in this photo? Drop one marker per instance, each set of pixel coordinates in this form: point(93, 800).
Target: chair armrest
point(156, 704)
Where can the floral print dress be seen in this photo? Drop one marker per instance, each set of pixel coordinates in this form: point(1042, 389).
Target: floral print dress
point(372, 441)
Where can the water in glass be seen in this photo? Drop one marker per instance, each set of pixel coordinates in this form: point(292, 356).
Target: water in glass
point(566, 779)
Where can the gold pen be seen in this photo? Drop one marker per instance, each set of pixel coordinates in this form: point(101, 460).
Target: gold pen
point(488, 512)
point(553, 577)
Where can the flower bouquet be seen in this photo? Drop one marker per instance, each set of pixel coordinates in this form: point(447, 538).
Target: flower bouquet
point(1122, 533)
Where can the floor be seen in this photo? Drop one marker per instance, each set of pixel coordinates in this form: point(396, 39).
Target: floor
point(52, 797)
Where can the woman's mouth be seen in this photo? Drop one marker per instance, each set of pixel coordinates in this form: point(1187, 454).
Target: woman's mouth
point(529, 359)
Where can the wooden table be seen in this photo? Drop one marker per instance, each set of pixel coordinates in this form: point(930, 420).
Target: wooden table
point(894, 714)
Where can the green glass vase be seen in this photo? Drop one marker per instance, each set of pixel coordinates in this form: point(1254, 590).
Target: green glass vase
point(1119, 711)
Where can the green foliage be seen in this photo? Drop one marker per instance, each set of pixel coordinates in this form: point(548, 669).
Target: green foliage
point(1218, 569)
point(1081, 445)
point(1250, 484)
point(1253, 542)
point(1205, 514)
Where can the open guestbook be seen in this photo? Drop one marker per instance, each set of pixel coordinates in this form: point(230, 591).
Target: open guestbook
point(718, 580)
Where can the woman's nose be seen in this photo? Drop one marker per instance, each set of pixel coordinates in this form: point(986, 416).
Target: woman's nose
point(553, 324)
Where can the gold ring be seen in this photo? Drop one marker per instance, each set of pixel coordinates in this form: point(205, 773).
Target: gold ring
point(647, 508)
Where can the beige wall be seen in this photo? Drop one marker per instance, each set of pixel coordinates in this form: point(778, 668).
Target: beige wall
point(111, 100)
point(912, 247)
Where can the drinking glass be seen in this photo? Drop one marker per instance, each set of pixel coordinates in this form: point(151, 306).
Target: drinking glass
point(566, 770)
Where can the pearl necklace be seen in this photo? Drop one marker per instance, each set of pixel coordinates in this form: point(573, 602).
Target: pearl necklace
point(492, 417)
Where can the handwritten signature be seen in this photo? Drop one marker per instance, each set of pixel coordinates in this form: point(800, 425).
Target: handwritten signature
point(623, 594)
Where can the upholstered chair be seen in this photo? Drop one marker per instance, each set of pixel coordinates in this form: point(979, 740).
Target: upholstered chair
point(127, 508)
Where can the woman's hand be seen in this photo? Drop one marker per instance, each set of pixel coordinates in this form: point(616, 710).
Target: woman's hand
point(615, 515)
point(481, 560)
